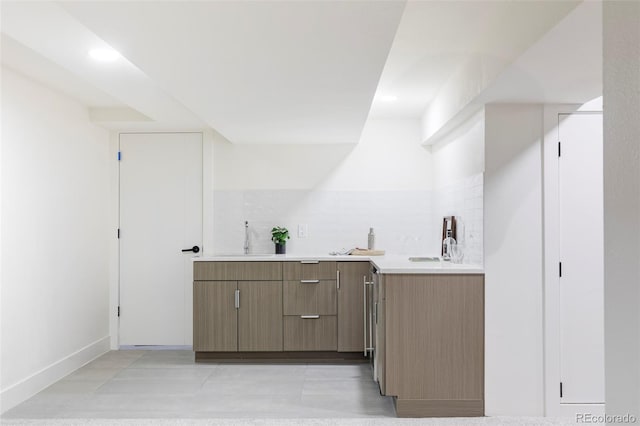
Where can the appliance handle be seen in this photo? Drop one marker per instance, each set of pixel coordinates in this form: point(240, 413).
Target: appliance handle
point(364, 319)
point(371, 317)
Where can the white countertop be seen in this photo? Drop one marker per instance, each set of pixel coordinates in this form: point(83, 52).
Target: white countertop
point(384, 264)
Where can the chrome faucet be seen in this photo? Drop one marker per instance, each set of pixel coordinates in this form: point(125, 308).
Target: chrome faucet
point(246, 237)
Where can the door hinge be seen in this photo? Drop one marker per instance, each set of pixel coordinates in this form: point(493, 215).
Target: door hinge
point(119, 155)
point(560, 269)
point(560, 389)
point(118, 311)
point(118, 233)
point(559, 149)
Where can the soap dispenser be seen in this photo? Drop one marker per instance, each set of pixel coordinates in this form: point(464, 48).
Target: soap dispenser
point(371, 240)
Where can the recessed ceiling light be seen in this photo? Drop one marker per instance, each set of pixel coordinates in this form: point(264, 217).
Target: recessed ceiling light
point(388, 98)
point(104, 55)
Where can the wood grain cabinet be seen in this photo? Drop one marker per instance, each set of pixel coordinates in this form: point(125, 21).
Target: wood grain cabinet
point(427, 330)
point(259, 316)
point(309, 270)
point(310, 306)
point(307, 297)
point(231, 315)
point(310, 333)
point(351, 277)
point(215, 317)
point(430, 346)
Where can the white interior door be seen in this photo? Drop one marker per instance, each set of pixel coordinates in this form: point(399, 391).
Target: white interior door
point(581, 253)
point(160, 215)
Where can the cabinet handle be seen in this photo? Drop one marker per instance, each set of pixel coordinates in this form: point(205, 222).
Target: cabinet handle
point(309, 262)
point(338, 279)
point(309, 281)
point(309, 316)
point(237, 297)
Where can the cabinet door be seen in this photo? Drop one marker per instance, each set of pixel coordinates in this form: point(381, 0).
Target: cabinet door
point(434, 340)
point(260, 316)
point(350, 305)
point(215, 319)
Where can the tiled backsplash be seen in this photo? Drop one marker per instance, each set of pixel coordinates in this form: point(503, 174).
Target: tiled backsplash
point(336, 220)
point(405, 222)
point(464, 200)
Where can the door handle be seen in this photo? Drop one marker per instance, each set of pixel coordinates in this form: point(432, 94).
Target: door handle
point(194, 249)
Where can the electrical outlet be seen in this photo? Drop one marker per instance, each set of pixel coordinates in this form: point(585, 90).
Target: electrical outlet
point(303, 231)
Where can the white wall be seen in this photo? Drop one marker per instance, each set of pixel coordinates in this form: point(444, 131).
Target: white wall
point(339, 191)
point(55, 234)
point(513, 260)
point(458, 166)
point(621, 43)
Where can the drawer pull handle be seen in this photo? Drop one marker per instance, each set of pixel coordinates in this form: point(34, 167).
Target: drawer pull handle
point(309, 281)
point(309, 316)
point(309, 262)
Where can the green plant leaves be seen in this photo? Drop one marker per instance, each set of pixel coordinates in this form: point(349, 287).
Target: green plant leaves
point(279, 235)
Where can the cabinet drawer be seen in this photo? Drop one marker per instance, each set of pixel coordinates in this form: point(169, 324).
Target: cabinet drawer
point(309, 270)
point(306, 297)
point(318, 333)
point(237, 271)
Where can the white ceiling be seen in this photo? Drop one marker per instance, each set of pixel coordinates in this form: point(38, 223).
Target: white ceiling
point(564, 66)
point(267, 71)
point(436, 38)
point(19, 57)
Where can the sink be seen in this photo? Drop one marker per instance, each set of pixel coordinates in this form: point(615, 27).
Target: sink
point(244, 255)
point(424, 259)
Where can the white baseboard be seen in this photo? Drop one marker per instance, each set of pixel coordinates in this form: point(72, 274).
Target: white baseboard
point(573, 410)
point(31, 385)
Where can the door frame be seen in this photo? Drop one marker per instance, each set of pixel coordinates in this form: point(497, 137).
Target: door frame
point(551, 245)
point(209, 138)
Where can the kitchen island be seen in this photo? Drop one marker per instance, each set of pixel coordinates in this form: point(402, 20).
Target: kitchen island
point(420, 323)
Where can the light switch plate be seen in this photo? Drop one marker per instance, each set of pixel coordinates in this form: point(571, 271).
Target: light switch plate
point(303, 231)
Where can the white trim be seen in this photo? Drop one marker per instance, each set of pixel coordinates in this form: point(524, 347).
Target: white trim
point(572, 410)
point(114, 246)
point(208, 148)
point(31, 385)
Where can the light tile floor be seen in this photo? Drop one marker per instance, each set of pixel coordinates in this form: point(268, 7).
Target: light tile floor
point(169, 384)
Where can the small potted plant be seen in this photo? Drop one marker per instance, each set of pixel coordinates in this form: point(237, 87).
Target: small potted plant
point(280, 235)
